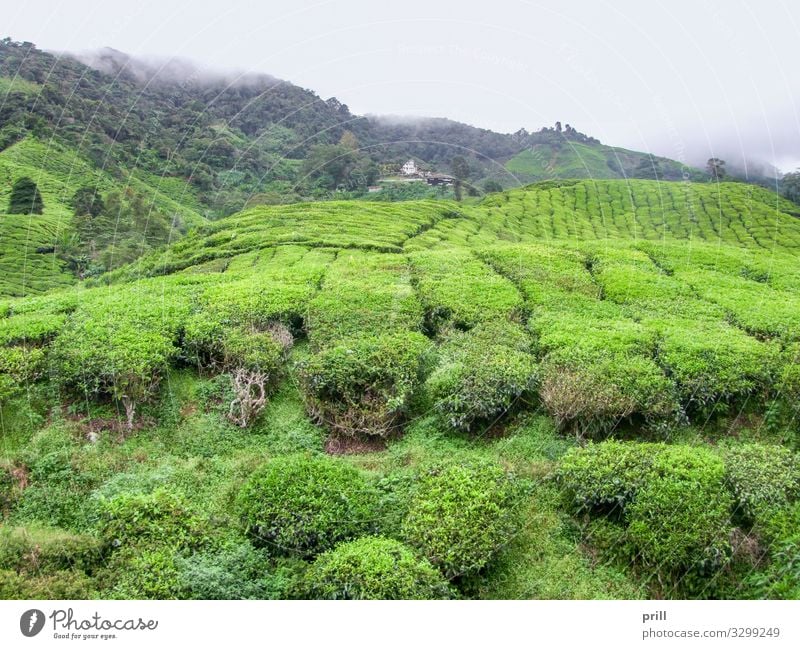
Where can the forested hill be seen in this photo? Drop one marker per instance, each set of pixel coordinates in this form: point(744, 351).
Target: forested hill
point(239, 138)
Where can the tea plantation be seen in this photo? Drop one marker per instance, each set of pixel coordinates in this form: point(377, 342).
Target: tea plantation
point(577, 389)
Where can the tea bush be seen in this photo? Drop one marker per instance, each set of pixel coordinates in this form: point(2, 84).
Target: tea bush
point(461, 515)
point(373, 568)
point(157, 519)
point(481, 374)
point(604, 478)
point(364, 294)
point(762, 478)
point(32, 550)
point(459, 290)
point(363, 386)
point(301, 506)
point(120, 344)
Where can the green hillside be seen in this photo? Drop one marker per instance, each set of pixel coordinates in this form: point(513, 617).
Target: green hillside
point(581, 389)
point(30, 245)
point(565, 158)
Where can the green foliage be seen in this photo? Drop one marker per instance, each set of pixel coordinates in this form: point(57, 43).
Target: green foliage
point(461, 515)
point(373, 568)
point(32, 550)
point(363, 294)
point(63, 584)
point(363, 386)
point(119, 344)
point(482, 374)
point(459, 290)
point(604, 478)
point(158, 519)
point(762, 478)
point(301, 506)
point(87, 201)
point(19, 366)
point(25, 198)
point(237, 571)
point(673, 499)
point(146, 573)
point(680, 526)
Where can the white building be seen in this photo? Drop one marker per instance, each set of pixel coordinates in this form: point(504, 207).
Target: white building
point(410, 168)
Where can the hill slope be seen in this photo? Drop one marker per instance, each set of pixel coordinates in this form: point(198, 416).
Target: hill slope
point(457, 359)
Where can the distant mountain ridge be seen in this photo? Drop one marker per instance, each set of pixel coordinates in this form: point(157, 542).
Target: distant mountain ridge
point(231, 136)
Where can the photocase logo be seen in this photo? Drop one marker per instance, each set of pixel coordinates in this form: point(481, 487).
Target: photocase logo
point(31, 622)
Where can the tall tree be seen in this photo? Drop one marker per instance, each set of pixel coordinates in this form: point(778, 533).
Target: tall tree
point(716, 168)
point(790, 186)
point(25, 198)
point(87, 201)
point(460, 168)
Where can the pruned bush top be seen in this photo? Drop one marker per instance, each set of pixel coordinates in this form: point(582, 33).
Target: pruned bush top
point(673, 499)
point(482, 373)
point(604, 477)
point(762, 478)
point(159, 518)
point(120, 343)
point(373, 568)
point(362, 386)
point(461, 515)
point(301, 506)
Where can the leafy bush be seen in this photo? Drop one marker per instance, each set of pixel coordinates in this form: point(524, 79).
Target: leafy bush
point(62, 584)
point(461, 515)
point(678, 527)
point(34, 551)
point(9, 487)
point(143, 573)
point(604, 478)
point(252, 357)
point(373, 568)
point(457, 289)
point(762, 478)
point(119, 344)
point(237, 572)
point(25, 198)
point(363, 386)
point(19, 366)
point(679, 521)
point(364, 294)
point(298, 505)
point(482, 374)
point(159, 518)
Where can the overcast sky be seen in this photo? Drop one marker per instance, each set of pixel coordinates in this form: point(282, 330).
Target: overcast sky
point(685, 78)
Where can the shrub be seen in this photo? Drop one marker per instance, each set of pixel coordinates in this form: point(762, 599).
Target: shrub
point(461, 515)
point(144, 573)
point(762, 478)
point(373, 568)
point(119, 344)
point(680, 526)
point(159, 518)
point(458, 289)
point(482, 374)
point(33, 550)
point(604, 478)
point(364, 294)
point(237, 572)
point(63, 584)
point(680, 520)
point(298, 505)
point(19, 366)
point(363, 386)
point(9, 487)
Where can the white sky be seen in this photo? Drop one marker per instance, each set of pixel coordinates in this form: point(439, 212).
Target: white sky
point(686, 78)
